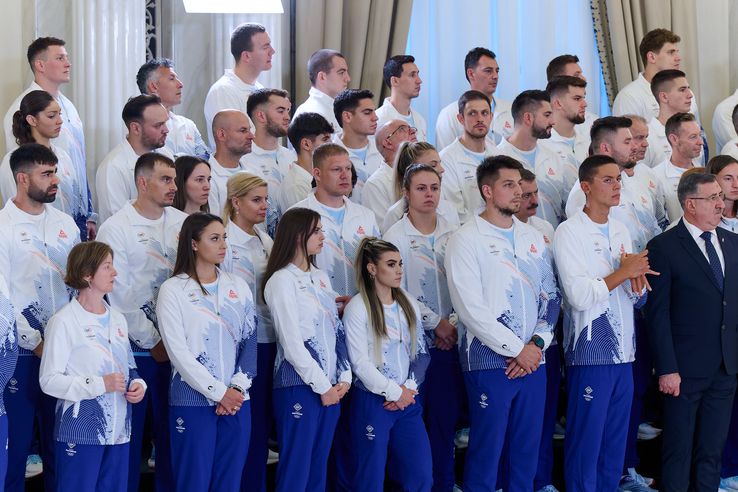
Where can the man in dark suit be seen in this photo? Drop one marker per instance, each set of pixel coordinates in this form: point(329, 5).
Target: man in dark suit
point(694, 335)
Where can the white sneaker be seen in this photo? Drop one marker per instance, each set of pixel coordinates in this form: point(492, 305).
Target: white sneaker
point(635, 482)
point(646, 431)
point(559, 432)
point(461, 440)
point(273, 457)
point(730, 483)
point(152, 459)
point(34, 466)
point(457, 488)
point(548, 488)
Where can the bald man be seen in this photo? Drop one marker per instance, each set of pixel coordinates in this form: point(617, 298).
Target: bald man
point(378, 194)
point(233, 137)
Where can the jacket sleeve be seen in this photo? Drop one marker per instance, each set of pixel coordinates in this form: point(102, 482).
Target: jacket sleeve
point(28, 337)
point(465, 285)
point(356, 321)
point(173, 330)
point(53, 376)
point(280, 295)
point(658, 311)
point(582, 291)
point(373, 199)
point(246, 359)
point(113, 187)
point(446, 131)
point(452, 192)
point(125, 297)
point(549, 299)
point(419, 363)
point(133, 376)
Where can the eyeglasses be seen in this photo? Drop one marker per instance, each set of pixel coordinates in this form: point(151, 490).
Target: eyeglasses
point(403, 129)
point(712, 198)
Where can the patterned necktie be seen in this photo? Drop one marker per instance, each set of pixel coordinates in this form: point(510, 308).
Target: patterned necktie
point(712, 256)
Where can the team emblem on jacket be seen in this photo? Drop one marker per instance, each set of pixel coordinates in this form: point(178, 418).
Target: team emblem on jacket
point(70, 449)
point(370, 432)
point(232, 294)
point(296, 413)
point(13, 385)
point(588, 394)
point(533, 248)
point(551, 172)
point(360, 230)
point(483, 401)
point(180, 425)
point(62, 234)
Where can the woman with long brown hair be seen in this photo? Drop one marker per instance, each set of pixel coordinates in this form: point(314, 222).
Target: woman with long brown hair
point(312, 372)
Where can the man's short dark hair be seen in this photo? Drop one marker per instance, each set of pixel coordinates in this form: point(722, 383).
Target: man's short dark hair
point(261, 96)
point(321, 61)
point(528, 101)
point(557, 66)
point(689, 182)
point(674, 123)
point(146, 162)
point(348, 100)
point(29, 155)
point(471, 60)
point(604, 129)
point(134, 108)
point(655, 40)
point(307, 125)
point(393, 67)
point(527, 175)
point(489, 170)
point(472, 95)
point(242, 38)
point(148, 69)
point(561, 83)
point(590, 165)
point(661, 81)
point(39, 46)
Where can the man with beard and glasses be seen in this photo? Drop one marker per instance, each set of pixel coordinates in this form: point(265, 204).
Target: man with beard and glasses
point(602, 280)
point(146, 120)
point(233, 140)
point(671, 90)
point(533, 117)
point(34, 246)
point(462, 156)
point(505, 325)
point(569, 108)
point(269, 110)
point(144, 235)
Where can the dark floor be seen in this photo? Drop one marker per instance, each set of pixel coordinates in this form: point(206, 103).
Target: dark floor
point(649, 451)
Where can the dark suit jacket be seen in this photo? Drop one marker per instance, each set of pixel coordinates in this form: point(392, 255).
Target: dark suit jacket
point(693, 327)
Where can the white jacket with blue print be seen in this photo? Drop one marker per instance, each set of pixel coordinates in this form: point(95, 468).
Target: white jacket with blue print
point(311, 343)
point(503, 294)
point(80, 348)
point(210, 338)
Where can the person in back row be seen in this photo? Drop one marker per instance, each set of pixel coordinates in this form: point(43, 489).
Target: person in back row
point(157, 76)
point(483, 74)
point(402, 76)
point(356, 116)
point(146, 120)
point(252, 51)
point(329, 75)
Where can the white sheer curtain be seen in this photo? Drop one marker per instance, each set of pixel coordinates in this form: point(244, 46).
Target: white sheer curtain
point(525, 35)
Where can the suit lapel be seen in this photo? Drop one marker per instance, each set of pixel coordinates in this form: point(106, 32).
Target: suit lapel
point(690, 245)
point(731, 268)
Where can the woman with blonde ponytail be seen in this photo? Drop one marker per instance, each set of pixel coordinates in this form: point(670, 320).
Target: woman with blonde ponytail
point(389, 357)
point(247, 253)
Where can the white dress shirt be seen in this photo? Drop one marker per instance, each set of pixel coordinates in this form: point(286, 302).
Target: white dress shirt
point(695, 232)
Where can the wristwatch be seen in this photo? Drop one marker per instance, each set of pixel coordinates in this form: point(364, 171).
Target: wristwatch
point(538, 341)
